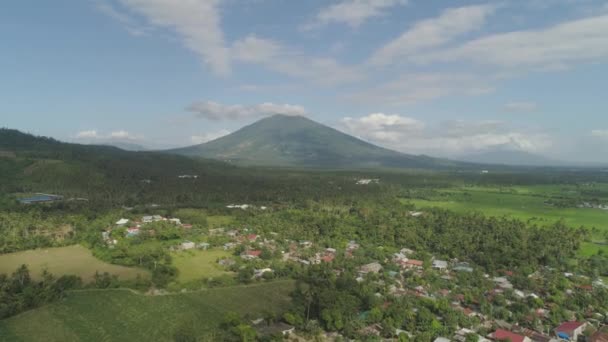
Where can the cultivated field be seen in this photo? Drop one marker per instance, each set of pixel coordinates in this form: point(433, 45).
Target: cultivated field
point(196, 264)
point(75, 260)
point(121, 315)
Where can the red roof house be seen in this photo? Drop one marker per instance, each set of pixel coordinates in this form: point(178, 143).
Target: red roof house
point(252, 237)
point(328, 258)
point(505, 335)
point(572, 329)
point(255, 253)
point(411, 263)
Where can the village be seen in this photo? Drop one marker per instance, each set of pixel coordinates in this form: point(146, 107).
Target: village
point(507, 305)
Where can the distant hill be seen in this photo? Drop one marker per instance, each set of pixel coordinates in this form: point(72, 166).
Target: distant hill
point(296, 141)
point(124, 145)
point(110, 177)
point(511, 157)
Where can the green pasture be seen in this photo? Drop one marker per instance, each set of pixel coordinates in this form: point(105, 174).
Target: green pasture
point(197, 264)
point(71, 260)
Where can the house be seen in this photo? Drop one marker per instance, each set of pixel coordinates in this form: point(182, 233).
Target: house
point(503, 282)
point(41, 198)
point(306, 244)
point(570, 330)
point(132, 231)
point(505, 335)
point(328, 258)
point(440, 265)
point(366, 181)
point(406, 251)
point(238, 206)
point(226, 262)
point(175, 221)
point(461, 335)
point(415, 213)
point(152, 218)
point(352, 245)
point(441, 339)
point(122, 222)
point(249, 255)
point(203, 245)
point(186, 226)
point(259, 273)
point(187, 245)
point(274, 329)
point(371, 330)
point(535, 335)
point(216, 231)
point(330, 251)
point(412, 264)
point(229, 245)
point(252, 237)
point(463, 267)
point(599, 336)
point(373, 267)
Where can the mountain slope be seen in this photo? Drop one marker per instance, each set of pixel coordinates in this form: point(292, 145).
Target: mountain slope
point(283, 140)
point(510, 157)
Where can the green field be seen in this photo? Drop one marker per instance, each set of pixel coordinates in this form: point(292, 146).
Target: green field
point(524, 203)
point(75, 260)
point(219, 221)
point(196, 264)
point(121, 315)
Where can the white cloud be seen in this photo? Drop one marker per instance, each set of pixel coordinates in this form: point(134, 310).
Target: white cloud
point(524, 106)
point(91, 134)
point(600, 133)
point(580, 40)
point(352, 12)
point(430, 33)
point(216, 111)
point(122, 135)
point(446, 139)
point(274, 56)
point(205, 137)
point(130, 24)
point(382, 127)
point(420, 87)
point(196, 22)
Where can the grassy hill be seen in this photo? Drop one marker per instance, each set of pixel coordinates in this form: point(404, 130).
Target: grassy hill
point(296, 141)
point(121, 315)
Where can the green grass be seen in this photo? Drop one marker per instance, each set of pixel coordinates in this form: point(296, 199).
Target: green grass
point(121, 315)
point(196, 264)
point(219, 221)
point(73, 260)
point(517, 205)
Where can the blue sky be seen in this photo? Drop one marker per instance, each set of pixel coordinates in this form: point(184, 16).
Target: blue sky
point(446, 78)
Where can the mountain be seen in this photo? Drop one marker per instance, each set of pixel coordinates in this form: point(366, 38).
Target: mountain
point(511, 157)
point(296, 141)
